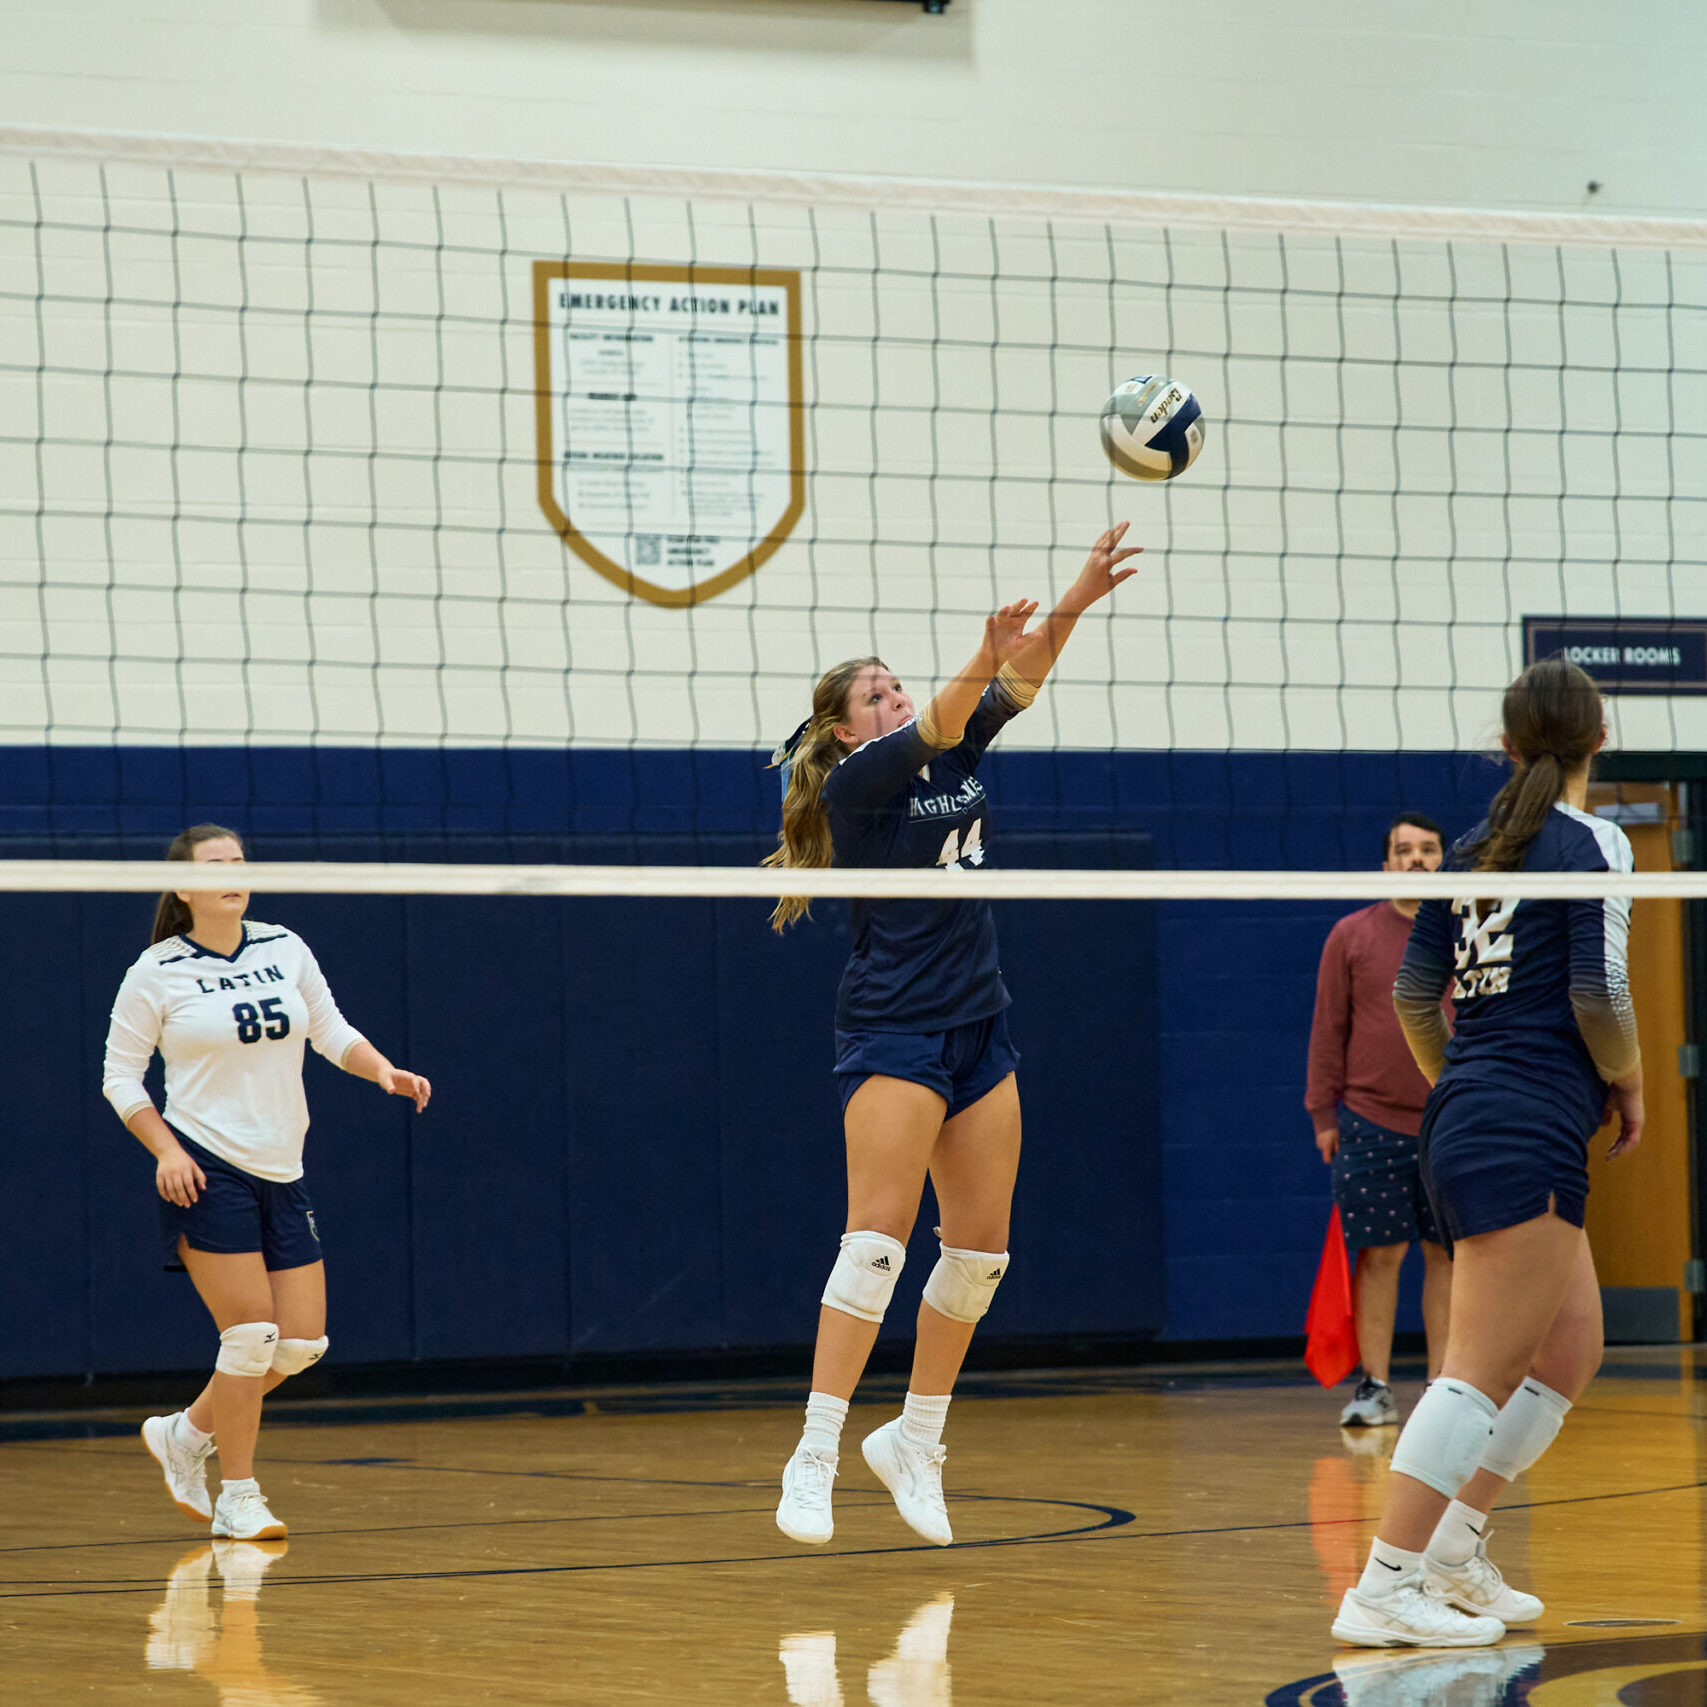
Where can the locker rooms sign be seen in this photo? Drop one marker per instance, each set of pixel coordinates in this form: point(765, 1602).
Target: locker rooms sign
point(671, 428)
point(1626, 655)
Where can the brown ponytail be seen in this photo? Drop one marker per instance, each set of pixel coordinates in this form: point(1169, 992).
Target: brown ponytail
point(172, 917)
point(1553, 719)
point(804, 839)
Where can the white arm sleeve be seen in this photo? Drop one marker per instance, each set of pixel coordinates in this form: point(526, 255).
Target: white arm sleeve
point(328, 1030)
point(132, 1038)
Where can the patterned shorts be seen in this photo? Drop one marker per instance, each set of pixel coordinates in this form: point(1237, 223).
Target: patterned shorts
point(1378, 1186)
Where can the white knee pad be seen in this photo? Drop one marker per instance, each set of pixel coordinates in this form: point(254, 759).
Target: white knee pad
point(1443, 1443)
point(294, 1356)
point(963, 1282)
point(247, 1348)
point(1526, 1426)
point(863, 1280)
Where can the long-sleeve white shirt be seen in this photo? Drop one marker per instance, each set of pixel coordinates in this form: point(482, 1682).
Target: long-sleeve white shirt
point(231, 1030)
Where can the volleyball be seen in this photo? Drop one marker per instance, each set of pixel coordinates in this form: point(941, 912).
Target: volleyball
point(1152, 428)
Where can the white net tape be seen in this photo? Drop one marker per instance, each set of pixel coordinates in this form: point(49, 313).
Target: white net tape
point(663, 881)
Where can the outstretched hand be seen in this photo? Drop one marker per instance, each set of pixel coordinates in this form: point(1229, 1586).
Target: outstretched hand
point(1102, 572)
point(1004, 633)
point(1033, 655)
point(394, 1081)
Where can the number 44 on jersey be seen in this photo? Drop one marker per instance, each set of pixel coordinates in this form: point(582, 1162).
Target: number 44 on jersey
point(967, 851)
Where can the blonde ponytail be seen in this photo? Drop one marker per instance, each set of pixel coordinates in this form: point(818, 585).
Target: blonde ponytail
point(804, 839)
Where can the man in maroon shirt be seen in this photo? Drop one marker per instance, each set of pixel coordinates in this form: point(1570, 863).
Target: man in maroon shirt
point(1366, 1097)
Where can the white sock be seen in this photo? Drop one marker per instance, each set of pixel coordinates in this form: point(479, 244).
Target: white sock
point(188, 1434)
point(825, 1414)
point(922, 1418)
point(1458, 1534)
point(1387, 1565)
point(242, 1485)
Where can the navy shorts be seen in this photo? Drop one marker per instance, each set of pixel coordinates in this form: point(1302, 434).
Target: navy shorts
point(1494, 1159)
point(960, 1065)
point(1378, 1186)
point(240, 1212)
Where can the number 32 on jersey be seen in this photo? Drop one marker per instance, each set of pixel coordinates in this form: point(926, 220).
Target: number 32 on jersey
point(1482, 953)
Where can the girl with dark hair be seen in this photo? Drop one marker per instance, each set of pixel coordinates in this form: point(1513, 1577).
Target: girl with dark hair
point(1544, 1043)
point(922, 1051)
point(229, 1004)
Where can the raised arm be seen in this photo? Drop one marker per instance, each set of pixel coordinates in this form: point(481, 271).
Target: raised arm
point(1034, 657)
point(944, 720)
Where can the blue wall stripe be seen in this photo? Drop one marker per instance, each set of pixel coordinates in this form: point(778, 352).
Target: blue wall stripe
point(1244, 1196)
point(1204, 809)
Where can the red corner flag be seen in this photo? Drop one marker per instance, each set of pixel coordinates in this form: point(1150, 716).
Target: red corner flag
point(1330, 1328)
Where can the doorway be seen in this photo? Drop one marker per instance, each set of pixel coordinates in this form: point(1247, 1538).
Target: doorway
point(1644, 1213)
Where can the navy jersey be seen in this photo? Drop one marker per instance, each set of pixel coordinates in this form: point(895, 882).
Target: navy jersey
point(1541, 988)
point(900, 803)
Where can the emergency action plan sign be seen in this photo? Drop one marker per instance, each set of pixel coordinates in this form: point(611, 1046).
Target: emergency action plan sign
point(670, 420)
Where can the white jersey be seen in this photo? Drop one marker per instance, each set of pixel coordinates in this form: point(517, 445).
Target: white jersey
point(231, 1030)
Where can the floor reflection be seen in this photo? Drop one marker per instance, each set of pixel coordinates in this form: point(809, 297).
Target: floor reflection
point(916, 1674)
point(1478, 1677)
point(1345, 1496)
point(221, 1641)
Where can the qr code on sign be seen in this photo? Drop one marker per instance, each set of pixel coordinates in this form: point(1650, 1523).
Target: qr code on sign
point(648, 550)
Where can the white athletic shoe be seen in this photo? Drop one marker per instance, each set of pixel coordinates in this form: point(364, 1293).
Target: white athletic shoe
point(1477, 1586)
point(1371, 1406)
point(185, 1470)
point(1410, 1615)
point(242, 1515)
point(913, 1474)
point(804, 1512)
point(809, 1669)
point(1422, 1679)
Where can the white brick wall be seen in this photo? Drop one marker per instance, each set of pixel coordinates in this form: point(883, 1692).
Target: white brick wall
point(1514, 105)
point(374, 563)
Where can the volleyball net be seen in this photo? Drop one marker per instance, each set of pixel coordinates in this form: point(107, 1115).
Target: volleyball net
point(401, 509)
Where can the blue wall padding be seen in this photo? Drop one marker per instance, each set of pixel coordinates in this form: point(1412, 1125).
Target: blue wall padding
point(1244, 1193)
point(1202, 809)
point(634, 1144)
point(484, 992)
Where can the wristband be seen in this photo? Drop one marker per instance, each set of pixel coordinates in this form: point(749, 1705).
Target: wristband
point(1016, 687)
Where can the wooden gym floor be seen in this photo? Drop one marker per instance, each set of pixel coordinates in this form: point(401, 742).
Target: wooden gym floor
point(1128, 1536)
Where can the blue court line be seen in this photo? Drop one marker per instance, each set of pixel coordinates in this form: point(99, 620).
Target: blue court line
point(1116, 1519)
point(1112, 1517)
point(858, 1497)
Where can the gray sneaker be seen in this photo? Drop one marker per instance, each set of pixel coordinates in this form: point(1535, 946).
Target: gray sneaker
point(1371, 1406)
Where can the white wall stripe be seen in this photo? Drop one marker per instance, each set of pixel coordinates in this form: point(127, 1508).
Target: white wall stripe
point(837, 190)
